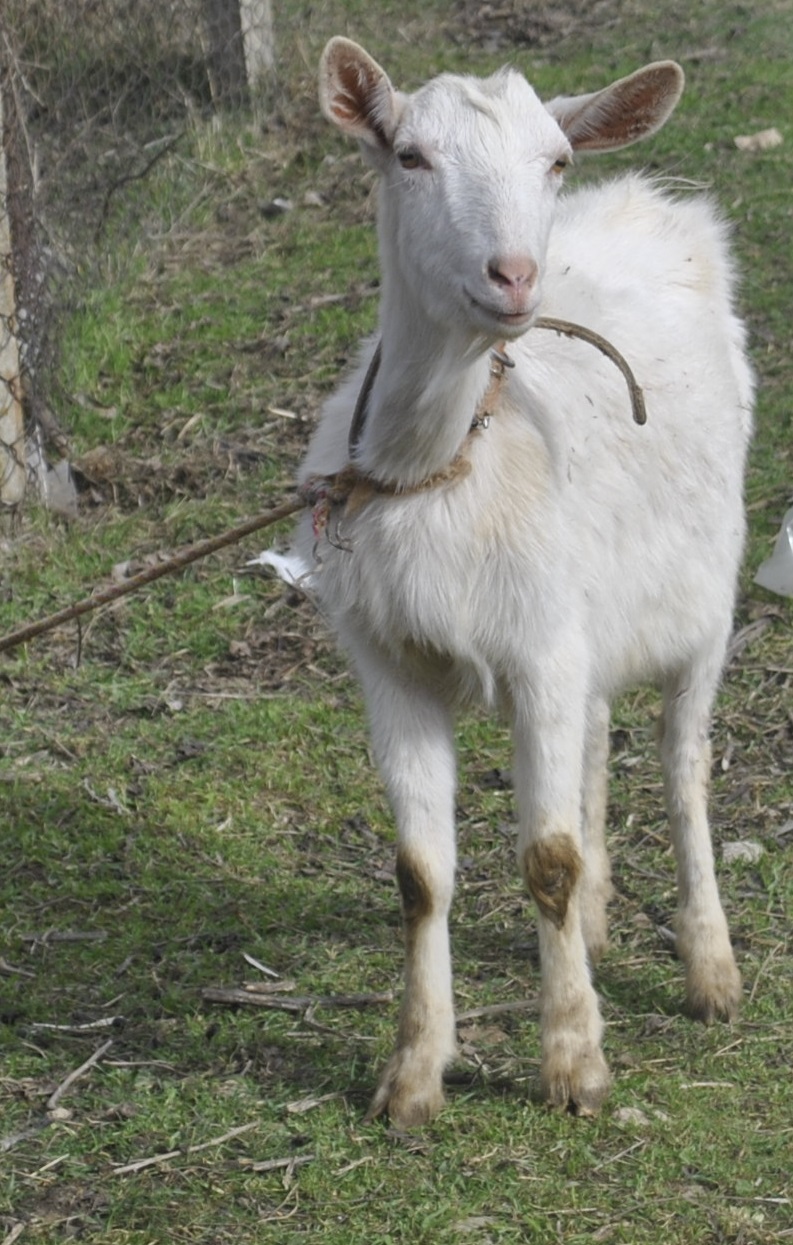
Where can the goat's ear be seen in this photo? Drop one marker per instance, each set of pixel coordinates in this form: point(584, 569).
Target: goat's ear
point(356, 94)
point(622, 113)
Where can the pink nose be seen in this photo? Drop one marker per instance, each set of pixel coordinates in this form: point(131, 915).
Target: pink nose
point(515, 273)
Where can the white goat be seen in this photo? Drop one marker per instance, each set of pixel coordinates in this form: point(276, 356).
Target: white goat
point(517, 537)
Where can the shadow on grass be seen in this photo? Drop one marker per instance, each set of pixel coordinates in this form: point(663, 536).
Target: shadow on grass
point(110, 918)
point(109, 915)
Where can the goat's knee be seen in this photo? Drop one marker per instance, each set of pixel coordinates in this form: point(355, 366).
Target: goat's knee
point(417, 888)
point(551, 868)
point(573, 1072)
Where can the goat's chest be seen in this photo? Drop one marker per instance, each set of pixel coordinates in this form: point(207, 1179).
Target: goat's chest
point(451, 571)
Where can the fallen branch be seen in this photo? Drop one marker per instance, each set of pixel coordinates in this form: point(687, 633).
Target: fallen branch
point(299, 1003)
point(201, 549)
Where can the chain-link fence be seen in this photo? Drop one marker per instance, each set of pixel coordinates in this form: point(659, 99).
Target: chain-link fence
point(93, 93)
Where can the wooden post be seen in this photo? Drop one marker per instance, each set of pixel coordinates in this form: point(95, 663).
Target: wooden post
point(240, 49)
point(258, 41)
point(12, 432)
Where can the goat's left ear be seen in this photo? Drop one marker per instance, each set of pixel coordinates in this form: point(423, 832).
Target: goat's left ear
point(620, 114)
point(357, 95)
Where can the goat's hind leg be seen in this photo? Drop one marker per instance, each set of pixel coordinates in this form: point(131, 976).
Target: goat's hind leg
point(412, 736)
point(713, 983)
point(596, 888)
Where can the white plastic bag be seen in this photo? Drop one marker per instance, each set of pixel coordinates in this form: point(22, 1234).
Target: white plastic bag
point(776, 573)
point(287, 566)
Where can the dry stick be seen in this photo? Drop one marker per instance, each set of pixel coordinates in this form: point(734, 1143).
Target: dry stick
point(192, 553)
point(107, 1022)
point(272, 1165)
point(498, 1009)
point(254, 998)
point(55, 1098)
point(154, 1159)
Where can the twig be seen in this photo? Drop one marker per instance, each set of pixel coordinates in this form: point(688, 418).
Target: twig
point(254, 998)
point(274, 1165)
point(254, 963)
point(269, 987)
point(14, 1234)
point(301, 1105)
point(132, 177)
point(614, 1158)
point(234, 995)
point(498, 1009)
point(140, 1164)
point(154, 1159)
point(55, 1098)
point(218, 1141)
point(106, 1022)
point(10, 970)
point(201, 549)
point(605, 347)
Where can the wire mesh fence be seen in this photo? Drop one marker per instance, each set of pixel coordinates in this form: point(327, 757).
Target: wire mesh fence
point(93, 93)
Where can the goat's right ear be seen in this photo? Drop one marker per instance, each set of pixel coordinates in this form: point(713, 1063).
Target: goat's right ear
point(356, 94)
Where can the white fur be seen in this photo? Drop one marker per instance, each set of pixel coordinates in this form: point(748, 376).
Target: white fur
point(582, 553)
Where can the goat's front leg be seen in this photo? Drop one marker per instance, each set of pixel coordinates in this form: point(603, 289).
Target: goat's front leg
point(549, 747)
point(412, 737)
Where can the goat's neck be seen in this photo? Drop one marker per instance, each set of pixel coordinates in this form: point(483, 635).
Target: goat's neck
point(425, 394)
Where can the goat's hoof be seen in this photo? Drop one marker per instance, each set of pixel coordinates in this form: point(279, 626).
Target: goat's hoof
point(409, 1094)
point(578, 1087)
point(713, 991)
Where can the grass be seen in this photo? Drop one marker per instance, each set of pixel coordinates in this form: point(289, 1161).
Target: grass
point(190, 783)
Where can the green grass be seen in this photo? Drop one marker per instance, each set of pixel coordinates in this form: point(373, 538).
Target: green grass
point(188, 779)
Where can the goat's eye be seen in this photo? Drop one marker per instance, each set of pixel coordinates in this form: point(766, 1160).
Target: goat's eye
point(560, 165)
point(411, 158)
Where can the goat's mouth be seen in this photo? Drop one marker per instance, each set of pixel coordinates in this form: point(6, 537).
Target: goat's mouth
point(515, 320)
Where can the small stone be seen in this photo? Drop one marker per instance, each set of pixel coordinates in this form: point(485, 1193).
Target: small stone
point(742, 849)
point(60, 1113)
point(762, 140)
point(276, 207)
point(631, 1115)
